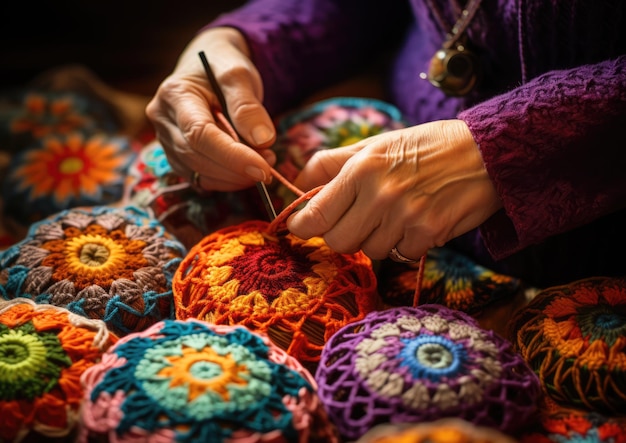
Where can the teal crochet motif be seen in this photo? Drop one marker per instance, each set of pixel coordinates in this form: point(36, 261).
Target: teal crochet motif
point(189, 381)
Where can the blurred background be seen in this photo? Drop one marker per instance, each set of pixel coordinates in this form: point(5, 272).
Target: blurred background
point(131, 45)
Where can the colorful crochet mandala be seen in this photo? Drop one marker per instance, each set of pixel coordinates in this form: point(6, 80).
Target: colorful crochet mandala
point(111, 264)
point(189, 381)
point(413, 365)
point(297, 291)
point(61, 172)
point(450, 279)
point(444, 430)
point(577, 427)
point(574, 338)
point(27, 116)
point(44, 350)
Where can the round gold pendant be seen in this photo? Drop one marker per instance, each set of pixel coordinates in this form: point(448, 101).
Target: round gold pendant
point(455, 71)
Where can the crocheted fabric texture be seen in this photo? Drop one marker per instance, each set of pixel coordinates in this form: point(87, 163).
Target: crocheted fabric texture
point(188, 381)
point(43, 352)
point(410, 365)
point(574, 337)
point(60, 172)
point(187, 213)
point(444, 430)
point(297, 291)
point(450, 279)
point(577, 427)
point(112, 264)
point(63, 154)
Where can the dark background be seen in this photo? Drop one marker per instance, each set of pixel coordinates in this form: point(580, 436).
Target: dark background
point(131, 45)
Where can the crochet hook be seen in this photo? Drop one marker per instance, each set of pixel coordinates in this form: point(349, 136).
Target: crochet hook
point(265, 196)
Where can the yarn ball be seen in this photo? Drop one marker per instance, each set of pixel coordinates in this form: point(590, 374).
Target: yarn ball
point(299, 292)
point(450, 279)
point(62, 172)
point(112, 264)
point(444, 430)
point(574, 338)
point(43, 352)
point(189, 381)
point(577, 427)
point(422, 364)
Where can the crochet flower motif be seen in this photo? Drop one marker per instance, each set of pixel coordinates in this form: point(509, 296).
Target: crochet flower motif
point(44, 115)
point(71, 171)
point(43, 352)
point(450, 279)
point(297, 291)
point(422, 364)
point(190, 381)
point(110, 264)
point(575, 338)
point(577, 427)
point(253, 274)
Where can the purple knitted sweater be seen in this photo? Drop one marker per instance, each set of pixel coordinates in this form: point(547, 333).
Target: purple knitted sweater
point(549, 115)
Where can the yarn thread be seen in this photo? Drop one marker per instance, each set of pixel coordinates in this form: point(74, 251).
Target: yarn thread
point(43, 352)
point(574, 338)
point(411, 365)
point(112, 264)
point(190, 381)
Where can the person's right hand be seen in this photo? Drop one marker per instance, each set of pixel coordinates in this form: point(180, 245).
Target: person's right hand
point(183, 115)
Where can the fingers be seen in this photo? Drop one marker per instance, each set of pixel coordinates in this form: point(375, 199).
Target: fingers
point(324, 166)
point(185, 114)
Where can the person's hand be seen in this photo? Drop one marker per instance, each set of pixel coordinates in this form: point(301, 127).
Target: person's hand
point(183, 113)
point(412, 189)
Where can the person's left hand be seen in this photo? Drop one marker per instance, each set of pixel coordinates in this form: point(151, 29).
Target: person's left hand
point(413, 189)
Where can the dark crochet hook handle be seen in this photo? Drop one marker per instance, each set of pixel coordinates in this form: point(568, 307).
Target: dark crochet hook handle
point(265, 196)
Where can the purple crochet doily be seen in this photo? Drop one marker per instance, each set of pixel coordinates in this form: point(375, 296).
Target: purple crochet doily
point(421, 364)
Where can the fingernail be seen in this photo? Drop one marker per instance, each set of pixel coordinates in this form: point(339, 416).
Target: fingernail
point(256, 174)
point(261, 134)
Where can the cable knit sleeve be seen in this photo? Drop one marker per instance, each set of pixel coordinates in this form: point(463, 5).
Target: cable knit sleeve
point(555, 149)
point(301, 45)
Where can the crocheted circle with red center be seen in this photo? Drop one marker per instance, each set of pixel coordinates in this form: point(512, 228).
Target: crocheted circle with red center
point(44, 351)
point(444, 430)
point(577, 426)
point(297, 291)
point(574, 337)
point(191, 381)
point(112, 264)
point(411, 365)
